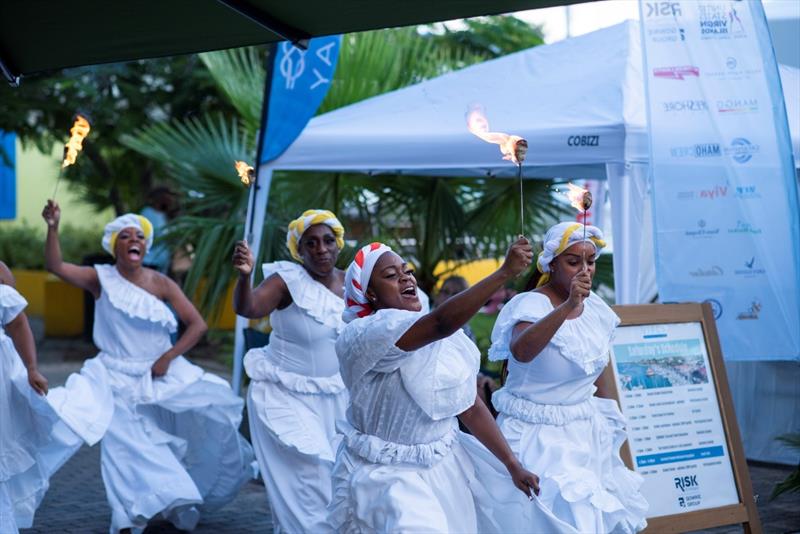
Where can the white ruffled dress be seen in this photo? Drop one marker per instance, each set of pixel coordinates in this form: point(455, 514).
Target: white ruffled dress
point(559, 430)
point(170, 445)
point(34, 442)
point(401, 467)
point(296, 395)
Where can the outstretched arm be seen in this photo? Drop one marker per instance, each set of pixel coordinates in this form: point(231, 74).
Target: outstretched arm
point(454, 313)
point(195, 325)
point(83, 277)
point(480, 422)
point(271, 294)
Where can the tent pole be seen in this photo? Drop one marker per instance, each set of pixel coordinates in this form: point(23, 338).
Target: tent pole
point(297, 37)
point(8, 74)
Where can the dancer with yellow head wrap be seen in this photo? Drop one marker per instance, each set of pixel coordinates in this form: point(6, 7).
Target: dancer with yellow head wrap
point(296, 393)
point(556, 338)
point(168, 431)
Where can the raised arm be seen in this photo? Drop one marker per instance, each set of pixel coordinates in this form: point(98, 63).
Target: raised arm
point(270, 294)
point(82, 277)
point(529, 339)
point(454, 313)
point(188, 314)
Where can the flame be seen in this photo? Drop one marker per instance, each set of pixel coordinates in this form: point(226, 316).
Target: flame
point(246, 173)
point(78, 132)
point(579, 198)
point(513, 147)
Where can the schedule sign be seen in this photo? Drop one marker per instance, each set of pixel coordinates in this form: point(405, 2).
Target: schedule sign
point(675, 430)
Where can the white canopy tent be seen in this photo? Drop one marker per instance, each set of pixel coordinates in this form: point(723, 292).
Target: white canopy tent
point(580, 104)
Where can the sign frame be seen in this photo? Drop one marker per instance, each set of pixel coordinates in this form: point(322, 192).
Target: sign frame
point(745, 511)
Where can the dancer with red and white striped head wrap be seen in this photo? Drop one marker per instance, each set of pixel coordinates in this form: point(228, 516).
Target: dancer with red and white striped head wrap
point(296, 392)
point(409, 374)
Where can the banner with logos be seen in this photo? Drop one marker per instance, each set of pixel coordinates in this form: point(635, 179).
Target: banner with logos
point(725, 200)
point(8, 176)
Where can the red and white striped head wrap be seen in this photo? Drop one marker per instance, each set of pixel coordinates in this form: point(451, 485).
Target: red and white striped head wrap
point(356, 280)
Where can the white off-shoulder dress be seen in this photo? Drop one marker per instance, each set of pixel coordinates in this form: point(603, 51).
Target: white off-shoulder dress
point(401, 467)
point(559, 430)
point(296, 395)
point(34, 442)
point(170, 445)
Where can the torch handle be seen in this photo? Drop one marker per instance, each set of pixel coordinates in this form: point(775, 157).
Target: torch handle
point(58, 181)
point(521, 201)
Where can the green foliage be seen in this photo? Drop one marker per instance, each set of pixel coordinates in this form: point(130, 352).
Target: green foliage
point(792, 482)
point(22, 245)
point(490, 37)
point(117, 98)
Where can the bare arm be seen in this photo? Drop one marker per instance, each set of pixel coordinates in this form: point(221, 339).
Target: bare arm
point(482, 425)
point(82, 277)
point(447, 318)
point(195, 325)
point(605, 384)
point(529, 339)
point(270, 294)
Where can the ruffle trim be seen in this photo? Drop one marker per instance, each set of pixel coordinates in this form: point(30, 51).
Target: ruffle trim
point(258, 367)
point(584, 340)
point(132, 300)
point(509, 404)
point(11, 304)
point(126, 366)
point(14, 462)
point(617, 493)
point(376, 450)
point(311, 296)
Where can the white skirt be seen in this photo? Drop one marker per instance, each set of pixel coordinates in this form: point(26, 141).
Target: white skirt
point(34, 443)
point(292, 426)
point(585, 486)
point(375, 497)
point(170, 445)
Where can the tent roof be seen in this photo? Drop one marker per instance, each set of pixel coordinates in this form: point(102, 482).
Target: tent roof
point(37, 36)
point(579, 103)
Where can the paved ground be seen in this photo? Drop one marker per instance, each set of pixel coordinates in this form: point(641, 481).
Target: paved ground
point(76, 499)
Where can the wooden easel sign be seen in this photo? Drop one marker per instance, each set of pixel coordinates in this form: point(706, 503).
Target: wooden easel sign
point(683, 438)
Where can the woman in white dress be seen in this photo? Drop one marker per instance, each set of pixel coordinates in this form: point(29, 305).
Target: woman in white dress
point(401, 467)
point(168, 430)
point(296, 392)
point(34, 442)
point(551, 409)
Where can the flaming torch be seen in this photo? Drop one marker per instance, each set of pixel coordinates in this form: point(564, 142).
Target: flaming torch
point(80, 129)
point(581, 200)
point(513, 147)
point(247, 175)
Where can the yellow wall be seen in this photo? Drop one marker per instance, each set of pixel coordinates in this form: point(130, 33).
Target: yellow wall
point(473, 272)
point(36, 179)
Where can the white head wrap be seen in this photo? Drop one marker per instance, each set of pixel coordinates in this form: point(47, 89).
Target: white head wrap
point(310, 218)
point(562, 236)
point(356, 280)
point(129, 220)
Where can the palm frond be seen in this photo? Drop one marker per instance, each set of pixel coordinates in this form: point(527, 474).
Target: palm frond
point(240, 74)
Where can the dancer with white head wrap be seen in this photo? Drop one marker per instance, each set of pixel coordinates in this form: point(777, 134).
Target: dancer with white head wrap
point(409, 374)
point(296, 393)
point(553, 413)
point(168, 431)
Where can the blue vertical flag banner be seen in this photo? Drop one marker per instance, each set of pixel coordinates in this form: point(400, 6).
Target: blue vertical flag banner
point(300, 81)
point(8, 176)
point(725, 198)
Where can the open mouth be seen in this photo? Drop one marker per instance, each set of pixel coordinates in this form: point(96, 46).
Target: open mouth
point(134, 252)
point(410, 291)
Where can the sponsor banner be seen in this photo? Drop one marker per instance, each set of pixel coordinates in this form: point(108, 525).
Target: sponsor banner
point(8, 176)
point(725, 202)
point(667, 393)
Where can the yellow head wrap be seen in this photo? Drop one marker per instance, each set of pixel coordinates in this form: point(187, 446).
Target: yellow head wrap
point(559, 238)
point(310, 218)
point(129, 220)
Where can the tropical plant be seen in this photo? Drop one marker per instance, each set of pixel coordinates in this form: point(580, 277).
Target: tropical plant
point(791, 484)
point(427, 219)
